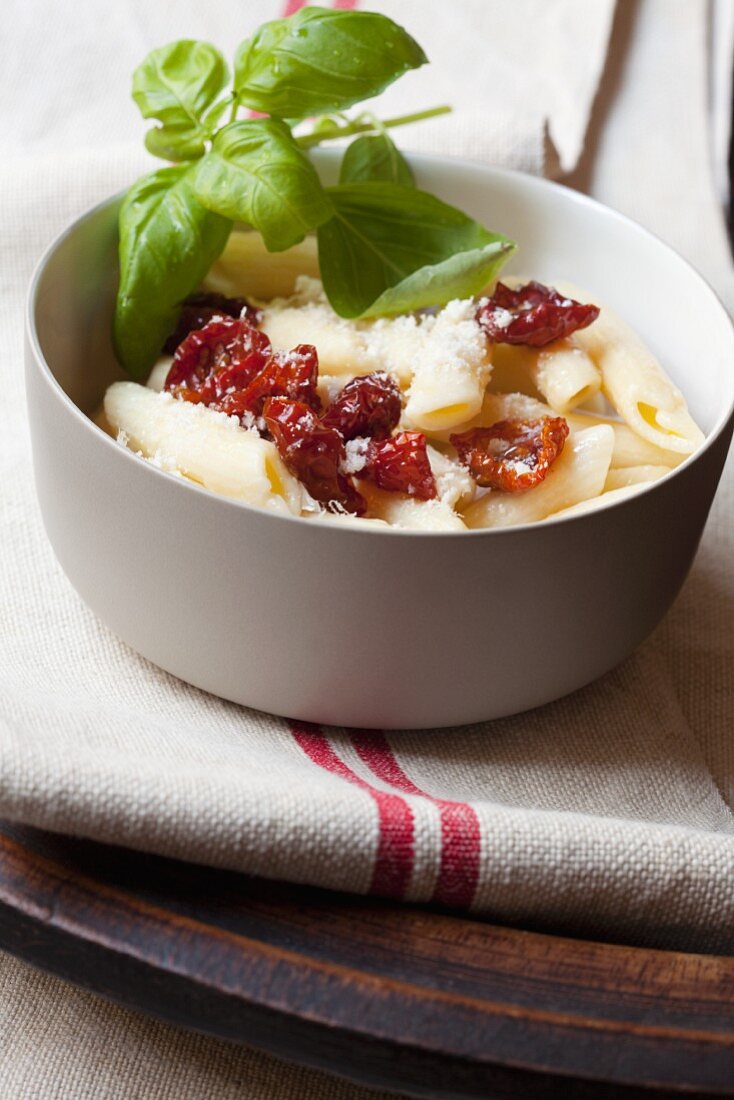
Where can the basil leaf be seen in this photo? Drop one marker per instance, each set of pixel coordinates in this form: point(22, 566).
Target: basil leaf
point(256, 173)
point(390, 249)
point(459, 276)
point(176, 84)
point(322, 60)
point(375, 157)
point(168, 242)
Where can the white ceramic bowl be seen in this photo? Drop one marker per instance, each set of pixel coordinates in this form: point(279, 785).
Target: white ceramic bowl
point(367, 627)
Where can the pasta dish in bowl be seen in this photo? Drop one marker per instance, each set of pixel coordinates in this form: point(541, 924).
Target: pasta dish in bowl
point(219, 554)
point(520, 405)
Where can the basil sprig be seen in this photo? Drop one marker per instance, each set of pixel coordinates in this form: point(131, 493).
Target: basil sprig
point(384, 246)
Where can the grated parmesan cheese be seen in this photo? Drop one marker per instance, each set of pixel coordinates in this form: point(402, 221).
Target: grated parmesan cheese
point(356, 459)
point(447, 340)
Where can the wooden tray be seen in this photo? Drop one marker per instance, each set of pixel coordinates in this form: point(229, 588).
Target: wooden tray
point(402, 998)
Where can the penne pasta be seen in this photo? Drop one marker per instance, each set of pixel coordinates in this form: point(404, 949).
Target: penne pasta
point(602, 501)
point(453, 379)
point(307, 318)
point(511, 406)
point(446, 350)
point(246, 269)
point(633, 475)
point(499, 406)
point(450, 370)
point(408, 513)
point(564, 374)
point(202, 445)
point(636, 384)
point(394, 344)
point(561, 373)
point(630, 449)
point(579, 473)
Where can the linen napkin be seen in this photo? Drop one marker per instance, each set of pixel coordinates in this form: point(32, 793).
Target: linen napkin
point(605, 814)
point(510, 68)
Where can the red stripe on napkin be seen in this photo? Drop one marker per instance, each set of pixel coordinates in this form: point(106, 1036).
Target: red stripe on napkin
point(394, 860)
point(460, 834)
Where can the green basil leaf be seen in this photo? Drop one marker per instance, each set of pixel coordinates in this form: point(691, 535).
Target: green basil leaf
point(322, 60)
point(375, 157)
point(256, 173)
point(390, 249)
point(168, 242)
point(177, 84)
point(459, 276)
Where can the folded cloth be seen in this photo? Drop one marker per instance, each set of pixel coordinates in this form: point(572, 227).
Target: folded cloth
point(605, 814)
point(510, 70)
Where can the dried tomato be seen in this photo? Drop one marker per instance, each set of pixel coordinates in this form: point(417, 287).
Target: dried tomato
point(367, 406)
point(292, 374)
point(533, 314)
point(312, 452)
point(512, 455)
point(222, 356)
point(401, 465)
point(199, 309)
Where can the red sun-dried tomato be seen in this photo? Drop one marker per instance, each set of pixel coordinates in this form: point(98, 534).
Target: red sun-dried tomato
point(312, 452)
point(401, 465)
point(292, 374)
point(199, 309)
point(222, 356)
point(512, 455)
point(533, 314)
point(367, 406)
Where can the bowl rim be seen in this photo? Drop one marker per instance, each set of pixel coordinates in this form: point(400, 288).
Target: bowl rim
point(541, 184)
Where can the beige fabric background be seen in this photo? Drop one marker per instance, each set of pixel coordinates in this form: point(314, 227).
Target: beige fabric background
point(627, 835)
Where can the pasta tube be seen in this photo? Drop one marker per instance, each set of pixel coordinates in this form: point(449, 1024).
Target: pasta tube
point(247, 269)
point(636, 384)
point(602, 501)
point(564, 374)
point(408, 513)
point(307, 318)
point(633, 475)
point(394, 344)
point(451, 370)
point(630, 449)
point(561, 372)
point(511, 406)
point(203, 445)
point(579, 473)
point(499, 406)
